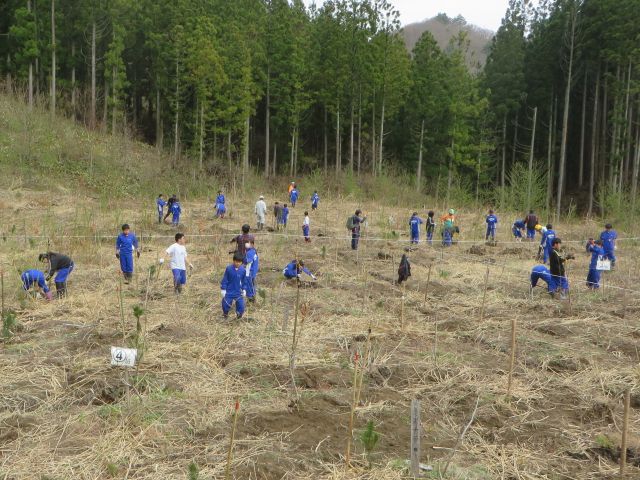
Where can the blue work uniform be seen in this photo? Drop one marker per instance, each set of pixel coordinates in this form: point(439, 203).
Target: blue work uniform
point(315, 199)
point(220, 206)
point(517, 228)
point(125, 245)
point(593, 277)
point(34, 277)
point(292, 270)
point(252, 265)
point(540, 272)
point(232, 283)
point(492, 222)
point(176, 210)
point(414, 223)
point(608, 238)
point(160, 204)
point(285, 216)
point(547, 239)
point(293, 197)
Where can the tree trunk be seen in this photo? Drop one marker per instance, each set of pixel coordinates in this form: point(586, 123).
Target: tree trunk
point(295, 152)
point(514, 147)
point(176, 139)
point(73, 79)
point(503, 167)
point(105, 104)
point(92, 109)
point(565, 117)
point(359, 131)
point(275, 159)
point(267, 126)
point(533, 144)
point(613, 171)
point(293, 146)
point(338, 148)
point(158, 121)
point(550, 147)
point(582, 128)
point(604, 126)
point(229, 155)
point(53, 57)
point(201, 146)
point(450, 173)
point(374, 157)
point(326, 142)
point(352, 139)
point(381, 150)
point(246, 144)
point(114, 73)
point(594, 130)
point(634, 178)
point(30, 70)
point(626, 132)
point(419, 172)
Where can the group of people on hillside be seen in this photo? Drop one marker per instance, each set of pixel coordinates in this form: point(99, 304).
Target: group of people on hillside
point(448, 222)
point(173, 208)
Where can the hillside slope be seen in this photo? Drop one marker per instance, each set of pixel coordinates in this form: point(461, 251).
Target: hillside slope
point(444, 29)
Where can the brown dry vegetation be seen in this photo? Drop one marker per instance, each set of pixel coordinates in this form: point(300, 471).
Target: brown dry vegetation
point(65, 413)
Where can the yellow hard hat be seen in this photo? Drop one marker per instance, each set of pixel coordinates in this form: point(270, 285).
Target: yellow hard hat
point(538, 227)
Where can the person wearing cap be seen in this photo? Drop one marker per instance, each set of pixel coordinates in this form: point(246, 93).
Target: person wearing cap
point(594, 247)
point(354, 225)
point(414, 224)
point(293, 197)
point(296, 268)
point(492, 224)
point(608, 238)
point(260, 211)
point(35, 278)
point(231, 286)
point(548, 236)
point(448, 227)
point(61, 266)
point(126, 244)
point(244, 239)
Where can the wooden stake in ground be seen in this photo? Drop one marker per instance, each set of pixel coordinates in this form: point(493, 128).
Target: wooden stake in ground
point(415, 438)
point(231, 440)
point(120, 295)
point(426, 288)
point(512, 361)
point(625, 429)
point(2, 288)
point(353, 409)
point(484, 294)
point(404, 287)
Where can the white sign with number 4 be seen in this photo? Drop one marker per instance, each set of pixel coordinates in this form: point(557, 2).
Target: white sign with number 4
point(123, 357)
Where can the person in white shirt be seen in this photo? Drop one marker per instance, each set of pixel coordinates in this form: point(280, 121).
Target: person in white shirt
point(261, 211)
point(178, 262)
point(305, 227)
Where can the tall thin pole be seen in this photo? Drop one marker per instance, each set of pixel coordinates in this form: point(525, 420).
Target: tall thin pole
point(533, 142)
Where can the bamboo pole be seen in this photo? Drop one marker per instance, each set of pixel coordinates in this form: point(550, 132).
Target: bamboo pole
point(232, 439)
point(625, 430)
point(2, 288)
point(404, 288)
point(353, 409)
point(426, 288)
point(484, 294)
point(512, 361)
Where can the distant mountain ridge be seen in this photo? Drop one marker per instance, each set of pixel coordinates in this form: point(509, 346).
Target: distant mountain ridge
point(444, 28)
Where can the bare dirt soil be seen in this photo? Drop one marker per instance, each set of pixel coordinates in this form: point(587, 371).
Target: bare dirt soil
point(66, 413)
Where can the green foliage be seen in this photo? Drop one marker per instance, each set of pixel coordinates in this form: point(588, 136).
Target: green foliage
point(603, 441)
point(515, 193)
point(194, 471)
point(9, 324)
point(138, 339)
point(369, 438)
point(112, 470)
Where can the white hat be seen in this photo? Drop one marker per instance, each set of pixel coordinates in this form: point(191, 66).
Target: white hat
point(261, 197)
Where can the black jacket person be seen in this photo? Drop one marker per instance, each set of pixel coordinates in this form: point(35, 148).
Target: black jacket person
point(61, 266)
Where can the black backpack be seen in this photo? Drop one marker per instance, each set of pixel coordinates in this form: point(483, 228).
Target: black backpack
point(404, 270)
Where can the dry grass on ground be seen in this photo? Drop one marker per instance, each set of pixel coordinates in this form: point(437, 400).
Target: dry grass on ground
point(65, 413)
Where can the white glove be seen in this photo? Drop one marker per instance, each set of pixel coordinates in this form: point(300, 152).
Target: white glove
point(244, 293)
point(298, 276)
point(223, 292)
point(314, 277)
point(161, 261)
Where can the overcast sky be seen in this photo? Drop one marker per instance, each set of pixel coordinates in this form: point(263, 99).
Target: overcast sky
point(483, 13)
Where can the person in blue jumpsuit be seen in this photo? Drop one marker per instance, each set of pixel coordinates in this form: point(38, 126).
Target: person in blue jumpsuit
point(431, 226)
point(548, 236)
point(176, 210)
point(252, 266)
point(517, 228)
point(126, 244)
point(540, 272)
point(160, 203)
point(296, 268)
point(492, 222)
point(608, 238)
point(221, 208)
point(231, 286)
point(593, 277)
point(414, 223)
point(61, 266)
point(293, 197)
point(35, 278)
point(285, 216)
point(315, 200)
